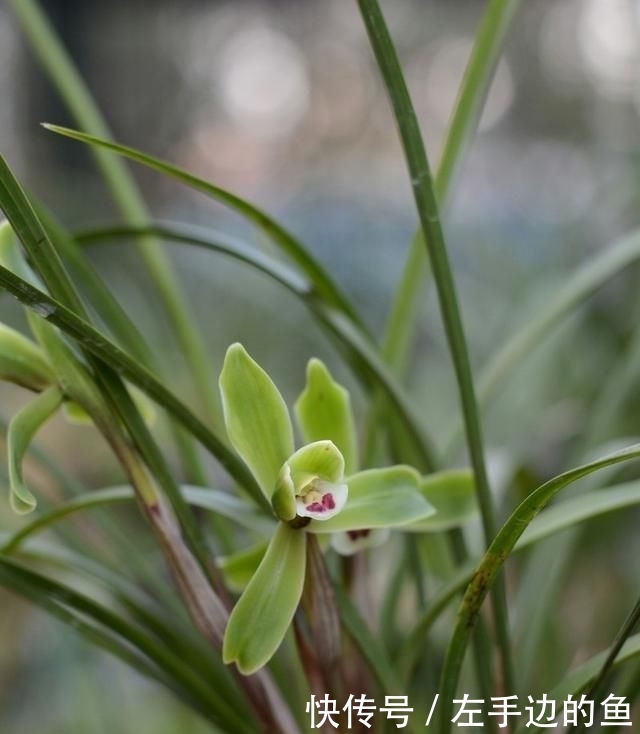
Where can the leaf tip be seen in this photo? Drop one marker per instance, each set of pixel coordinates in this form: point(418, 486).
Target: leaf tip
point(22, 501)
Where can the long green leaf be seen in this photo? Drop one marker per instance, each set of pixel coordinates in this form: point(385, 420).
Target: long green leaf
point(358, 351)
point(42, 590)
point(464, 121)
point(372, 651)
point(429, 215)
point(94, 342)
point(157, 615)
point(491, 564)
point(576, 682)
point(105, 303)
point(274, 231)
point(209, 499)
point(471, 97)
point(553, 520)
point(595, 691)
point(184, 553)
point(576, 289)
point(77, 97)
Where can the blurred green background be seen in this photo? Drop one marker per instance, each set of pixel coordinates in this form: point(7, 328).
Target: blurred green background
point(280, 102)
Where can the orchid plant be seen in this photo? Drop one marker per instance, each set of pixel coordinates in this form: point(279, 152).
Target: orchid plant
point(316, 506)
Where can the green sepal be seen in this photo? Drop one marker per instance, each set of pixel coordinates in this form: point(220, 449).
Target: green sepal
point(264, 612)
point(379, 498)
point(453, 494)
point(239, 568)
point(323, 411)
point(23, 362)
point(21, 431)
point(256, 417)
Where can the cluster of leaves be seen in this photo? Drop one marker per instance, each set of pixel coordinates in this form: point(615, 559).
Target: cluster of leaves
point(297, 532)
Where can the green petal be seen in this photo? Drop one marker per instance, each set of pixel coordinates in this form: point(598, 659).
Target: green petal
point(379, 498)
point(323, 411)
point(256, 417)
point(319, 459)
point(453, 494)
point(239, 568)
point(263, 614)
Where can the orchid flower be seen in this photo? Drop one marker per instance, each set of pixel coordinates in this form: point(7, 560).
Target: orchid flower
point(314, 489)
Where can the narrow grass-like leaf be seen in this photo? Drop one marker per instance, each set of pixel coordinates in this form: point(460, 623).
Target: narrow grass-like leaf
point(21, 431)
point(595, 690)
point(491, 564)
point(38, 587)
point(127, 334)
point(464, 121)
point(379, 498)
point(577, 680)
point(368, 644)
point(357, 348)
point(324, 411)
point(578, 509)
point(48, 265)
point(27, 227)
point(95, 343)
point(77, 97)
point(156, 615)
point(463, 124)
point(429, 215)
point(274, 231)
point(105, 303)
point(256, 417)
point(265, 610)
point(213, 500)
point(576, 289)
point(553, 520)
point(369, 365)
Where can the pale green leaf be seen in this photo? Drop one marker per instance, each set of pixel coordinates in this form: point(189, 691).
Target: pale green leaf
point(262, 615)
point(323, 411)
point(379, 498)
point(256, 417)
